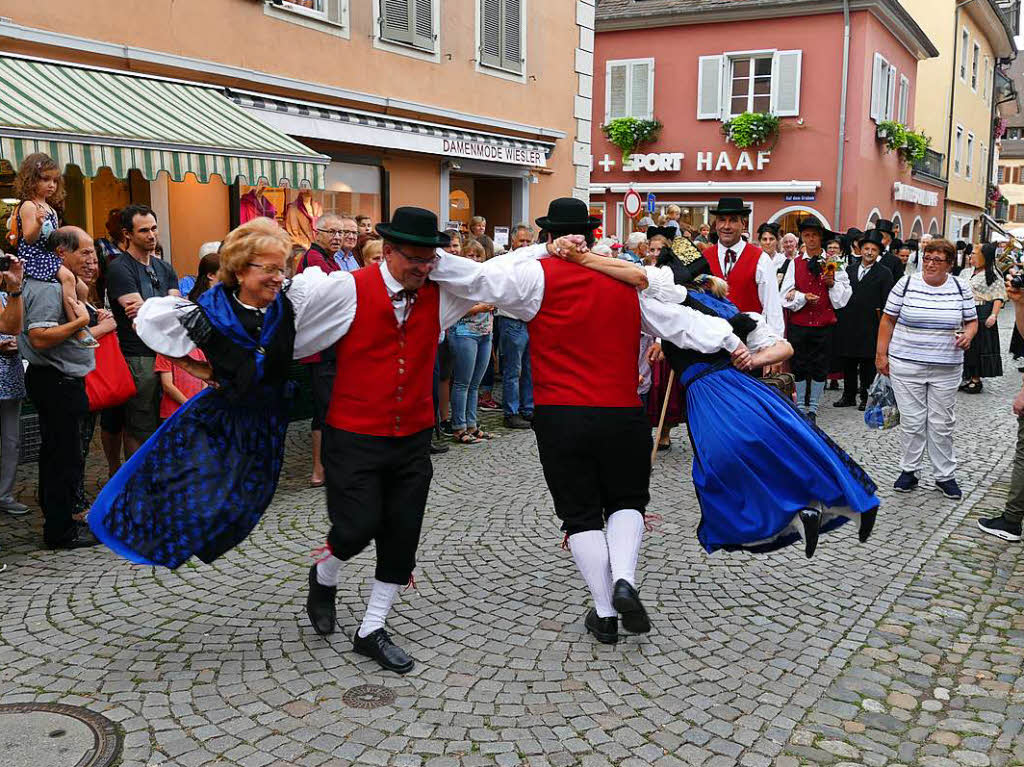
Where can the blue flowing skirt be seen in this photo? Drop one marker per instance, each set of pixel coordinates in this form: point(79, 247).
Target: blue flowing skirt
point(757, 463)
point(200, 484)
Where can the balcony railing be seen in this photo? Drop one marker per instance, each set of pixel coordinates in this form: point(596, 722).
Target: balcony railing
point(932, 167)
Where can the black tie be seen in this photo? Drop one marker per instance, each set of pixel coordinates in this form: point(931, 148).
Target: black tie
point(730, 261)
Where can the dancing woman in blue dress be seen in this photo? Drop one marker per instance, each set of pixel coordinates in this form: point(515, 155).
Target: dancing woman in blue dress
point(200, 484)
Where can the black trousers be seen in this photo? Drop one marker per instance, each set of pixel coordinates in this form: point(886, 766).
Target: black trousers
point(321, 378)
point(812, 351)
point(854, 369)
point(377, 491)
point(61, 403)
point(596, 460)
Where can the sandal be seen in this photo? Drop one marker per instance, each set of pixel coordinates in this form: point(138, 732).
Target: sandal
point(465, 438)
point(481, 434)
point(974, 387)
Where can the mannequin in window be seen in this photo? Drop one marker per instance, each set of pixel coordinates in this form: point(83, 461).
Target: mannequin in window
point(301, 214)
point(253, 204)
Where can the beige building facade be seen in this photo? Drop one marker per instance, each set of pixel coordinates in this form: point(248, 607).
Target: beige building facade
point(955, 100)
point(460, 106)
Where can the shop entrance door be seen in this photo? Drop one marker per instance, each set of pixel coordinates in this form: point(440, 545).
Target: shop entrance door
point(493, 198)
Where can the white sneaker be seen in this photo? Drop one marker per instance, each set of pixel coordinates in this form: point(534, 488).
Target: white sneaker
point(13, 508)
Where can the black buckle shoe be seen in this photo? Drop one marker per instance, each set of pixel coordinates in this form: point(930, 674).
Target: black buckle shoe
point(844, 402)
point(867, 524)
point(378, 645)
point(811, 520)
point(320, 605)
point(626, 600)
point(605, 630)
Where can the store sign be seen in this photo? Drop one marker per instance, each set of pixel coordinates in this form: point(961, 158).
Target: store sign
point(479, 150)
point(707, 162)
point(914, 194)
point(800, 197)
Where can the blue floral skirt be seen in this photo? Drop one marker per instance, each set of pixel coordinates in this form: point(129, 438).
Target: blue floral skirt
point(200, 484)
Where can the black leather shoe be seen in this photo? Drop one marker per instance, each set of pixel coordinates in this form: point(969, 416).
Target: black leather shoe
point(80, 538)
point(437, 447)
point(320, 605)
point(867, 524)
point(517, 422)
point(843, 402)
point(605, 630)
point(378, 645)
point(811, 520)
point(626, 600)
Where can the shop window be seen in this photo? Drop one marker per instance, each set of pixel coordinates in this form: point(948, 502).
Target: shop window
point(629, 89)
point(762, 81)
point(883, 90)
point(408, 22)
point(329, 16)
point(501, 34)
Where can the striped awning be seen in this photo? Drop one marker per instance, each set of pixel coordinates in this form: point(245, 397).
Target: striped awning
point(96, 118)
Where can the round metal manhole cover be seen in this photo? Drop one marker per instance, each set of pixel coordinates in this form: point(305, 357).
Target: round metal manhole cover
point(368, 696)
point(33, 734)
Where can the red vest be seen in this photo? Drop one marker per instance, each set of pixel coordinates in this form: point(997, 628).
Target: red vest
point(385, 373)
point(820, 313)
point(585, 340)
point(742, 277)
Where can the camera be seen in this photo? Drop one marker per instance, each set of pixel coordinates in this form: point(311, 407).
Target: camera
point(5, 262)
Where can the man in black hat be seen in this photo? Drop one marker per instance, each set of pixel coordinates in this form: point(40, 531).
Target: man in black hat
point(753, 286)
point(813, 290)
point(593, 436)
point(888, 258)
point(857, 331)
point(383, 323)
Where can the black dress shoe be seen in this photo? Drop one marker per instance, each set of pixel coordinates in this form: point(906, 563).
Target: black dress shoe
point(605, 630)
point(862, 406)
point(320, 605)
point(517, 422)
point(378, 645)
point(844, 402)
point(437, 447)
point(867, 524)
point(80, 538)
point(811, 520)
point(626, 600)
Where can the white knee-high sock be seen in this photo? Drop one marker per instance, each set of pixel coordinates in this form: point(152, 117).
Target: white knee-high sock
point(382, 596)
point(327, 570)
point(590, 550)
point(625, 532)
point(817, 389)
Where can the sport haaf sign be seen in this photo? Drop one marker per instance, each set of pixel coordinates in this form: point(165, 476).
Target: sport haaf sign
point(707, 162)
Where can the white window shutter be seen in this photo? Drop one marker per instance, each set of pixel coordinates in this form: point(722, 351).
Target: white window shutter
point(396, 21)
point(511, 35)
point(423, 24)
point(890, 93)
point(639, 90)
point(490, 32)
point(786, 67)
point(877, 88)
point(709, 87)
point(904, 99)
point(615, 91)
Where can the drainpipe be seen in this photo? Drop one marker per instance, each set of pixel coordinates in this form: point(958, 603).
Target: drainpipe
point(842, 114)
point(952, 106)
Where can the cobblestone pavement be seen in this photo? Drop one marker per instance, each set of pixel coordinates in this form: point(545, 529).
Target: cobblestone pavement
point(906, 650)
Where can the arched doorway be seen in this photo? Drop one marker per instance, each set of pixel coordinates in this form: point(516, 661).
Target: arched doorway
point(917, 229)
point(933, 228)
point(873, 219)
point(788, 219)
point(897, 226)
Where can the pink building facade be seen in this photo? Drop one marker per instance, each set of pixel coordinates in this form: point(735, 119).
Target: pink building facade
point(692, 66)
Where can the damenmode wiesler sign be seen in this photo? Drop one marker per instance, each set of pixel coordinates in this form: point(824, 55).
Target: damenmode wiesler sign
point(480, 150)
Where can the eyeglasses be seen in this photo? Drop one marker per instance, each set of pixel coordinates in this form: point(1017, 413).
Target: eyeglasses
point(417, 261)
point(272, 269)
point(934, 260)
point(339, 232)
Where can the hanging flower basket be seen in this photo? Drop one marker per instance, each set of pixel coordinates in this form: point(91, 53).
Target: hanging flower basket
point(915, 147)
point(751, 129)
point(627, 133)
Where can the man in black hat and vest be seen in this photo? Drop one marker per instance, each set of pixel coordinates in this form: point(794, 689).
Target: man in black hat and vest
point(593, 436)
point(812, 290)
point(857, 331)
point(383, 323)
point(753, 286)
point(889, 259)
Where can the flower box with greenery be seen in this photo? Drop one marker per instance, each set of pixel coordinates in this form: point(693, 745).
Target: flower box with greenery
point(911, 145)
point(751, 129)
point(627, 133)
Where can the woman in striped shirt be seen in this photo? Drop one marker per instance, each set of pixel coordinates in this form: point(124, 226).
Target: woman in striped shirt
point(929, 320)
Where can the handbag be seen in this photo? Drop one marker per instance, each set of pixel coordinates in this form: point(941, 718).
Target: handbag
point(111, 383)
point(784, 383)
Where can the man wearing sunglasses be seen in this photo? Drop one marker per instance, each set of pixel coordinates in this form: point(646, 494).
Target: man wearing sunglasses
point(330, 252)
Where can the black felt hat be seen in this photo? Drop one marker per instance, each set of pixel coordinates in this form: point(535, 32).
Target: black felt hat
point(414, 226)
point(854, 235)
point(873, 236)
point(885, 225)
point(730, 205)
point(814, 224)
point(568, 215)
point(668, 232)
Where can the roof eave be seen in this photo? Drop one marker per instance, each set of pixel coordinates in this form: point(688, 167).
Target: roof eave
point(995, 27)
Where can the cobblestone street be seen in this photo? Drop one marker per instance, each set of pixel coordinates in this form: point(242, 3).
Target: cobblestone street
point(906, 650)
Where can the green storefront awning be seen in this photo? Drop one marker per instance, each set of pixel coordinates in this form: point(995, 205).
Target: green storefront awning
point(96, 118)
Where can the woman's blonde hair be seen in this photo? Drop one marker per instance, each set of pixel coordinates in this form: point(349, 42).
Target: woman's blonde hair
point(473, 249)
point(241, 244)
point(372, 248)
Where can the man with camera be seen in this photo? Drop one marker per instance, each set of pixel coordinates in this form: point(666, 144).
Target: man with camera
point(1008, 525)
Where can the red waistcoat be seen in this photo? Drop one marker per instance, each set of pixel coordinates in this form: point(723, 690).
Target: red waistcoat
point(385, 373)
point(585, 340)
point(820, 313)
point(742, 277)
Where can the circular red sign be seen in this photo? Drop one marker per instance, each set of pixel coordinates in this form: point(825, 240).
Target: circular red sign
point(632, 203)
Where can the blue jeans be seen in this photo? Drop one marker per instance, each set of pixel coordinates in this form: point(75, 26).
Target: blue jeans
point(517, 379)
point(472, 353)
